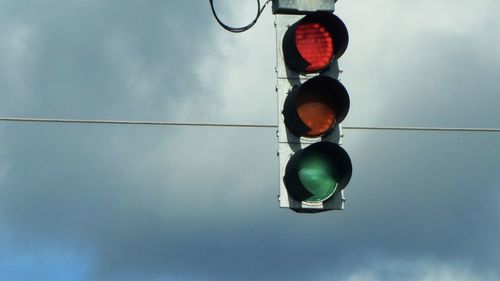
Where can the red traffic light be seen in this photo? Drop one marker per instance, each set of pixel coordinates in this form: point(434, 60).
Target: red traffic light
point(312, 43)
point(313, 108)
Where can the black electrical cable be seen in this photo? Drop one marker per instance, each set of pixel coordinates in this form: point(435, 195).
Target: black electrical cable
point(239, 29)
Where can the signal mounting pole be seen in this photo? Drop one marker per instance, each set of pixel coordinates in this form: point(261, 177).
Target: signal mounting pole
point(300, 7)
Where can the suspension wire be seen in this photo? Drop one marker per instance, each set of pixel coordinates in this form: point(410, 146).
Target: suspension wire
point(428, 129)
point(236, 125)
point(239, 29)
point(131, 122)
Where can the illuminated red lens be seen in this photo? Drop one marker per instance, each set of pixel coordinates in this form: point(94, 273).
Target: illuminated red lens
point(316, 112)
point(315, 45)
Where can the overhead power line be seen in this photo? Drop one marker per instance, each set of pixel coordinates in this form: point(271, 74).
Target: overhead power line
point(237, 125)
point(131, 122)
point(436, 129)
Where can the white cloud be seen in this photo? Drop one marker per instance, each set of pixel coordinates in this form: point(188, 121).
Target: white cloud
point(419, 270)
point(17, 56)
point(398, 47)
point(239, 69)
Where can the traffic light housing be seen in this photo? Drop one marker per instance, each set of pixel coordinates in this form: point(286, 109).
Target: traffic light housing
point(314, 168)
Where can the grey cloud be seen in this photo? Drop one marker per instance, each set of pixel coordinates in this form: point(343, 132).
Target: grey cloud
point(85, 57)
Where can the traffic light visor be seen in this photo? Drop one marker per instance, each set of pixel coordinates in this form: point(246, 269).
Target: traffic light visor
point(312, 43)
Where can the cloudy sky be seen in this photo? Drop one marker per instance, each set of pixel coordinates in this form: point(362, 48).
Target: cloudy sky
point(113, 203)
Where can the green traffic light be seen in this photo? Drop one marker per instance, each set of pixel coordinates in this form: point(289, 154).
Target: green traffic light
point(315, 174)
point(318, 175)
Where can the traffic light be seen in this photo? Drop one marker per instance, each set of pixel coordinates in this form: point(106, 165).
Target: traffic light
point(314, 168)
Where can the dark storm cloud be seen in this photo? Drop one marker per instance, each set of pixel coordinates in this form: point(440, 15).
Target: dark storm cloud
point(133, 210)
point(425, 194)
point(71, 186)
point(108, 59)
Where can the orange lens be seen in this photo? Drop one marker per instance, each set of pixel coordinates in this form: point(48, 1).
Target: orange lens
point(316, 111)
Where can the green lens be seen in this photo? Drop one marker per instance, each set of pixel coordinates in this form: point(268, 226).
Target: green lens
point(318, 175)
